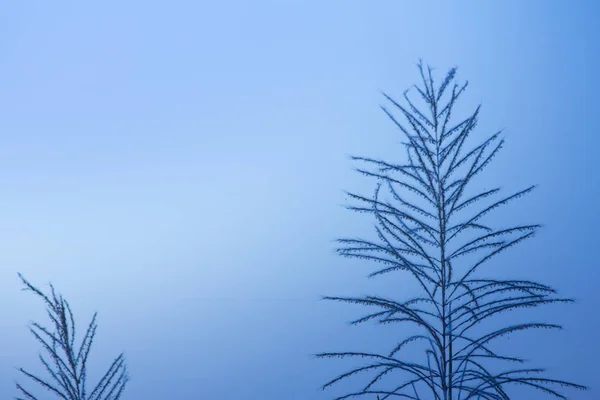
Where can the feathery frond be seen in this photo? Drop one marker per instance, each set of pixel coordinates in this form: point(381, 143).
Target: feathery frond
point(66, 366)
point(429, 226)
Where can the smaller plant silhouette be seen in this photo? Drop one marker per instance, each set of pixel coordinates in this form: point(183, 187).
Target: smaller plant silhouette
point(68, 366)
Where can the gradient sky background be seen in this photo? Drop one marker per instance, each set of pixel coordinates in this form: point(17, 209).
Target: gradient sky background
point(179, 167)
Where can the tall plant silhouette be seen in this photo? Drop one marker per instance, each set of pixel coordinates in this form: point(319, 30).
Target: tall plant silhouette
point(67, 366)
point(429, 226)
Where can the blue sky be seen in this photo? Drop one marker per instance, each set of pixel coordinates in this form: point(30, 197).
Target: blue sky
point(179, 167)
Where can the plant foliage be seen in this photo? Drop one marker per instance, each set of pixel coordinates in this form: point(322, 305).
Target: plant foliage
point(66, 365)
point(427, 225)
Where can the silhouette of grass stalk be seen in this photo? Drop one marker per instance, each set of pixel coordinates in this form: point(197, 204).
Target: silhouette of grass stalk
point(442, 242)
point(66, 365)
